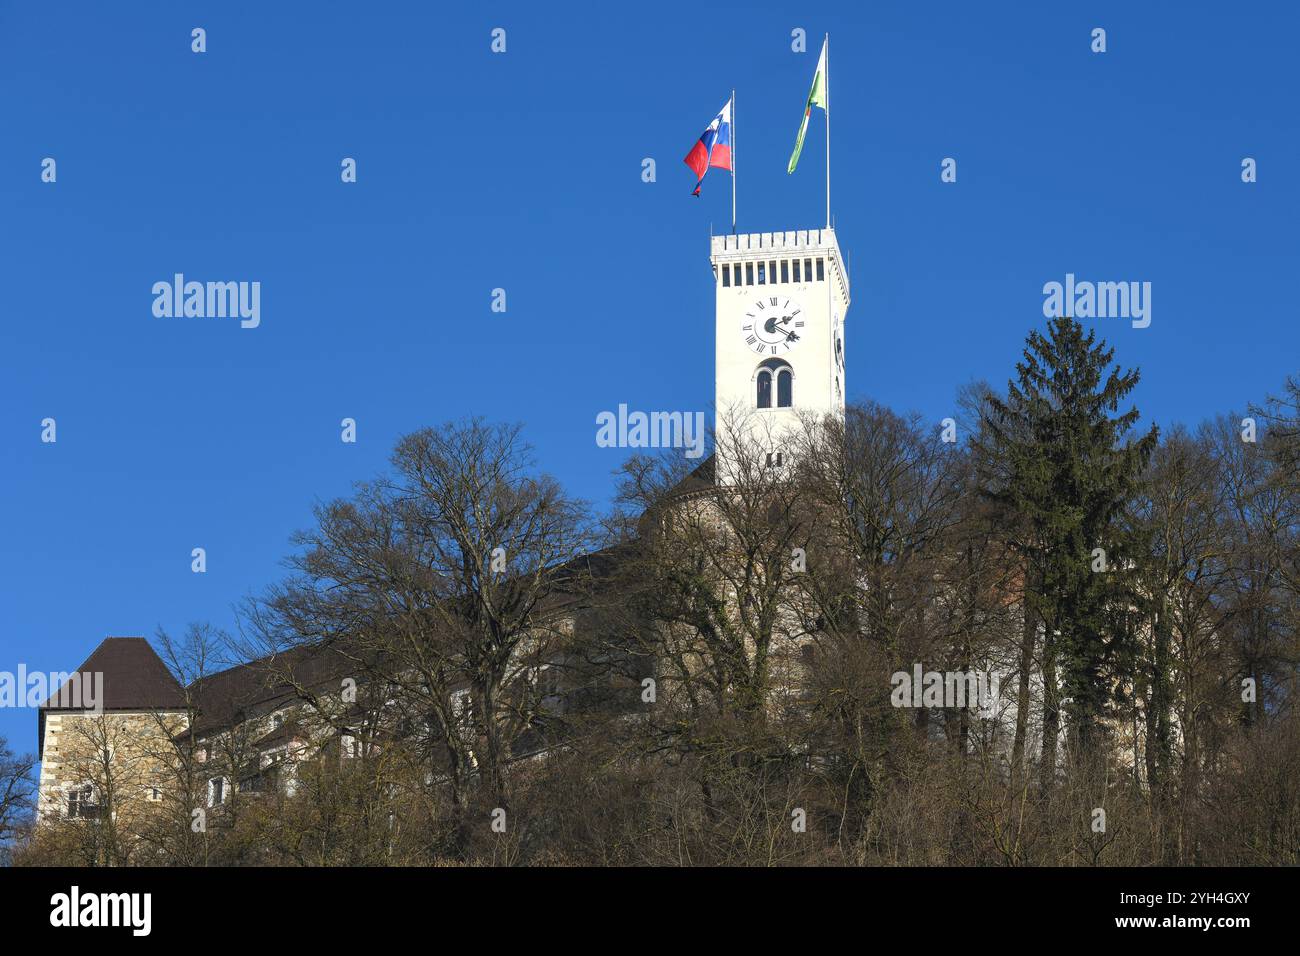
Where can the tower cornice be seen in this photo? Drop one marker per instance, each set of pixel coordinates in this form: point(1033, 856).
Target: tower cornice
point(756, 246)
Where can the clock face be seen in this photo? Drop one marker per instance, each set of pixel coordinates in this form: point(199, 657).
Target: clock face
point(773, 325)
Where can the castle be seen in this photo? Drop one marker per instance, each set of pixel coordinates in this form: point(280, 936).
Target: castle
point(779, 334)
point(781, 301)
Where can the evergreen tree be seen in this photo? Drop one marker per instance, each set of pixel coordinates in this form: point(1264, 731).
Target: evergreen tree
point(1063, 461)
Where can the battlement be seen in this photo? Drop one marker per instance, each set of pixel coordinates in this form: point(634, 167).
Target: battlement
point(761, 246)
point(759, 243)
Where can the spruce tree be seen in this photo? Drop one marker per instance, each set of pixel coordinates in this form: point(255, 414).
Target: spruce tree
point(1064, 462)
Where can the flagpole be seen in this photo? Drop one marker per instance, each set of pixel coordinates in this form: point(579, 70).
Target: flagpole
point(733, 162)
point(827, 111)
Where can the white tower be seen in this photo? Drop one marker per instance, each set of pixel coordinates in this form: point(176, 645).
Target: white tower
point(782, 298)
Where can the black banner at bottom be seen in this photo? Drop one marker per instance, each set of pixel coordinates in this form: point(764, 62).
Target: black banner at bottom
point(337, 905)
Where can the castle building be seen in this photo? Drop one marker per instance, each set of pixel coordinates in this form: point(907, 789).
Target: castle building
point(781, 300)
point(780, 304)
point(117, 745)
point(234, 730)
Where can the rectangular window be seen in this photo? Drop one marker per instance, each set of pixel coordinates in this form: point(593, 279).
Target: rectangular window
point(81, 804)
point(726, 275)
point(762, 273)
point(820, 274)
point(796, 270)
point(749, 273)
point(807, 270)
point(771, 271)
point(785, 270)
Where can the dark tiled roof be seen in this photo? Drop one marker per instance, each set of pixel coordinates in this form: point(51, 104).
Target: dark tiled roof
point(261, 686)
point(585, 578)
point(702, 478)
point(135, 678)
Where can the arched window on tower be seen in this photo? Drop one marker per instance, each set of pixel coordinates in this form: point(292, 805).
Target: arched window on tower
point(783, 374)
point(784, 388)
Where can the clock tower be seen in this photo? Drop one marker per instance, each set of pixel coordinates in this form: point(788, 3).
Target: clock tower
point(781, 301)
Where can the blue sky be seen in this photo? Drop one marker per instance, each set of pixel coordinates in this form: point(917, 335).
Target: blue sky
point(523, 171)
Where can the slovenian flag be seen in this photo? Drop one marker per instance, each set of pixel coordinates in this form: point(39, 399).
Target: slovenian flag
point(713, 148)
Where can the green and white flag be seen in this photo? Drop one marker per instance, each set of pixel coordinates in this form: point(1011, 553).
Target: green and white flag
point(817, 96)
